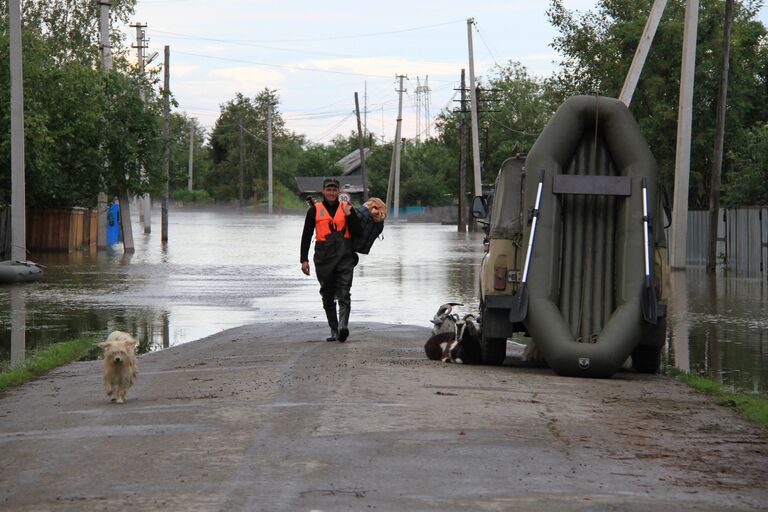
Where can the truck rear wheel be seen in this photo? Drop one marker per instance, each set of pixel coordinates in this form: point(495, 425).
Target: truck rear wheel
point(494, 350)
point(646, 359)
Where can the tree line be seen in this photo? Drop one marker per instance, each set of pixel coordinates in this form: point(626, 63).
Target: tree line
point(87, 131)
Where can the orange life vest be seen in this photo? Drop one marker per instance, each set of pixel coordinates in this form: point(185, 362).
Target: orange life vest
point(323, 222)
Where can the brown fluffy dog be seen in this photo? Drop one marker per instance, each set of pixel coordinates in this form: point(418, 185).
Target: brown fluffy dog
point(120, 366)
point(377, 207)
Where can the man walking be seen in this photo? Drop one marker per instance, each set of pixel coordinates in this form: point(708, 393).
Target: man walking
point(334, 223)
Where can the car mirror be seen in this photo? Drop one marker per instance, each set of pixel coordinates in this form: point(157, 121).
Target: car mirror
point(479, 208)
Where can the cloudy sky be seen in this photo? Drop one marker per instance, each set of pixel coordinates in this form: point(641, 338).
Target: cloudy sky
point(318, 54)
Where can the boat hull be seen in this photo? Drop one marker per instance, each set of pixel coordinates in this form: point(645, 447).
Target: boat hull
point(587, 269)
point(19, 272)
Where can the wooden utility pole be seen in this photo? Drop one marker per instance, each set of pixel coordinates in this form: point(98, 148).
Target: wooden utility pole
point(638, 61)
point(269, 160)
point(18, 186)
point(191, 153)
point(106, 65)
point(473, 109)
point(683, 148)
point(398, 142)
point(463, 156)
point(242, 168)
point(166, 140)
point(145, 201)
point(717, 158)
point(360, 146)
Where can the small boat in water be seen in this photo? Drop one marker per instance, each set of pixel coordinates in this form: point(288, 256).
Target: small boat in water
point(19, 272)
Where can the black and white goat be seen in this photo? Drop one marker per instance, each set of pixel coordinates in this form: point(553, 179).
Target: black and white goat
point(445, 320)
point(461, 346)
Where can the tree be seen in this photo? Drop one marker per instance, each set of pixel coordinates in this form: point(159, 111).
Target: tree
point(598, 47)
point(179, 133)
point(747, 184)
point(224, 178)
point(514, 108)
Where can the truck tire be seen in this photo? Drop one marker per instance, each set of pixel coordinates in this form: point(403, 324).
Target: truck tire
point(494, 350)
point(646, 359)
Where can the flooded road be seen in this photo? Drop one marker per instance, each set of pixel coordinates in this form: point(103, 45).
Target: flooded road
point(223, 269)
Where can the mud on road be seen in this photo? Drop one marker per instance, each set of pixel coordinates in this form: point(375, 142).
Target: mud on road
point(268, 417)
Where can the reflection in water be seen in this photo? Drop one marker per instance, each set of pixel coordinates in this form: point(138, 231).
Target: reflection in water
point(728, 318)
point(223, 269)
point(677, 323)
point(18, 325)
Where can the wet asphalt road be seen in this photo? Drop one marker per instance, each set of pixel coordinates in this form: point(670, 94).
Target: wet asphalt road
point(266, 417)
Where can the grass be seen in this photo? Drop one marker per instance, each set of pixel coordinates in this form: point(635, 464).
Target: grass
point(754, 407)
point(46, 359)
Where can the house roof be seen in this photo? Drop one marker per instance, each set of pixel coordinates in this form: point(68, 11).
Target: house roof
point(314, 184)
point(351, 162)
point(350, 182)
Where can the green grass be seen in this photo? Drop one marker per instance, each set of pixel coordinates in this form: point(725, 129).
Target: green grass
point(754, 407)
point(44, 360)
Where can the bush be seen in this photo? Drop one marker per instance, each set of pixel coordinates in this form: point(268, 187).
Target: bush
point(192, 197)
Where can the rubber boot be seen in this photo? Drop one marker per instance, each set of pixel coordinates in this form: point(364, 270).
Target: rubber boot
point(333, 322)
point(344, 309)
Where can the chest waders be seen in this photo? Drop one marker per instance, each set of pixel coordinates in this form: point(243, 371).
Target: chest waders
point(334, 266)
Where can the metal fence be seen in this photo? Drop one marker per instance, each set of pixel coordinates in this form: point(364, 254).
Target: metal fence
point(742, 239)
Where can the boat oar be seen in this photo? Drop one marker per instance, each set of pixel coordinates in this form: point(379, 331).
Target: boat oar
point(649, 302)
point(519, 309)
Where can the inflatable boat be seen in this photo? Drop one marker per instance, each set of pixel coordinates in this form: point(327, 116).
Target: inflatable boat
point(588, 277)
point(584, 280)
point(19, 271)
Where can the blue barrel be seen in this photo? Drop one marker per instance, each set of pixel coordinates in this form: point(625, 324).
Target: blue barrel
point(113, 224)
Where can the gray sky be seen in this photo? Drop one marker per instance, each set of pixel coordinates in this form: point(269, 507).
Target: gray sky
point(318, 54)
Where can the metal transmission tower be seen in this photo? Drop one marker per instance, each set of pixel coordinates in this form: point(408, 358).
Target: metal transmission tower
point(422, 103)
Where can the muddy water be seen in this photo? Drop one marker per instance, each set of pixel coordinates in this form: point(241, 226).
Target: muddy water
point(222, 269)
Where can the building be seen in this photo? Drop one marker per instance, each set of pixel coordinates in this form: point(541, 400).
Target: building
point(350, 180)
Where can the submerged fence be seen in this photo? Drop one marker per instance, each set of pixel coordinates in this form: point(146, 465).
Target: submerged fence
point(742, 240)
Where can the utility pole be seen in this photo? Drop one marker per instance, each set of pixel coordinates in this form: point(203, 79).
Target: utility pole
point(362, 150)
point(398, 143)
point(473, 109)
point(106, 65)
point(365, 106)
point(166, 140)
point(145, 202)
point(463, 157)
point(717, 158)
point(643, 47)
point(18, 186)
point(269, 160)
point(242, 167)
point(191, 152)
point(683, 147)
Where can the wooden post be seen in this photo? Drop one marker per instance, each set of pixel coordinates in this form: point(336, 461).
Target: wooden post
point(678, 243)
point(717, 157)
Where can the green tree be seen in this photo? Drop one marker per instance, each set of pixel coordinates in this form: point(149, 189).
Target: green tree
point(179, 134)
point(223, 180)
point(747, 183)
point(598, 47)
point(514, 108)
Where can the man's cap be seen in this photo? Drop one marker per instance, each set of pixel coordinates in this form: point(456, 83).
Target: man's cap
point(330, 182)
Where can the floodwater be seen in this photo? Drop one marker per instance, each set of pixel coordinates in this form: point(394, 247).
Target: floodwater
point(222, 269)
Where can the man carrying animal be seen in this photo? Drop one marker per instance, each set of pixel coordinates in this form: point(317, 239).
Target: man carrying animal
point(333, 223)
